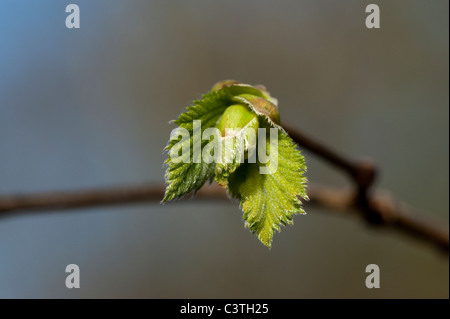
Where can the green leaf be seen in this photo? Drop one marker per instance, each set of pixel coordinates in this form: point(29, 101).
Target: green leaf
point(183, 178)
point(267, 185)
point(270, 200)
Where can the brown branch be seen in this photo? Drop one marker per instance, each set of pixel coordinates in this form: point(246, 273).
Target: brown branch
point(89, 198)
point(57, 201)
point(396, 214)
point(376, 207)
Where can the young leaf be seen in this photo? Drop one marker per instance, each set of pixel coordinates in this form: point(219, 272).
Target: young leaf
point(183, 178)
point(269, 200)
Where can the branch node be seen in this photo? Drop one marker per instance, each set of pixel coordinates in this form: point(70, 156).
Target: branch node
point(365, 174)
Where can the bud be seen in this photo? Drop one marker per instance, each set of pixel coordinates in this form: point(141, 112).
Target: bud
point(222, 84)
point(257, 98)
point(261, 106)
point(235, 118)
point(239, 123)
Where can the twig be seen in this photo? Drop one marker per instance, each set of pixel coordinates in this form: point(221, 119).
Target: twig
point(377, 207)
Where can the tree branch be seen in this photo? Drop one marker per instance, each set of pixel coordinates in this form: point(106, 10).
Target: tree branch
point(377, 207)
point(380, 207)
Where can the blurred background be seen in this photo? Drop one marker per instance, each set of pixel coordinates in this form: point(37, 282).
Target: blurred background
point(90, 107)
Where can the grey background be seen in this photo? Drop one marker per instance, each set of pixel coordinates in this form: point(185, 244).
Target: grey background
point(90, 108)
